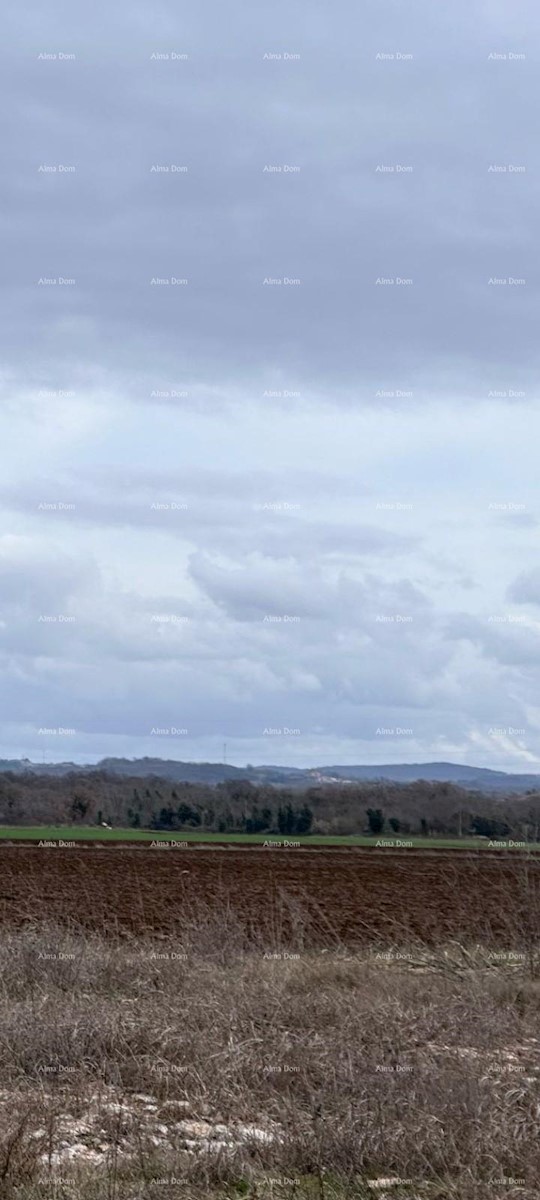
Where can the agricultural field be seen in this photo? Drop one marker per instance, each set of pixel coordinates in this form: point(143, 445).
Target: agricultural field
point(339, 897)
point(194, 1020)
point(92, 833)
point(193, 1025)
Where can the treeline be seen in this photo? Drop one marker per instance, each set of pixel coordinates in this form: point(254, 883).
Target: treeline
point(285, 819)
point(424, 808)
point(238, 806)
point(154, 804)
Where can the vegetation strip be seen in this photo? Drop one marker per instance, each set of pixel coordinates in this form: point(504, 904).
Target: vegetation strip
point(149, 838)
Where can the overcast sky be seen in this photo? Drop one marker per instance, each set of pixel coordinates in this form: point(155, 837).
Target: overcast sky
point(270, 348)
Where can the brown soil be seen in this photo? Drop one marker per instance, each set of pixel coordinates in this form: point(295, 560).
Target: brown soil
point(353, 897)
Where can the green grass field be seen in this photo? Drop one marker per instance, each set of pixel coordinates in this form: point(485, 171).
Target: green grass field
point(85, 833)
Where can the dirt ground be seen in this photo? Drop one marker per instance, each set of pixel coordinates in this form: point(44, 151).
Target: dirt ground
point(334, 896)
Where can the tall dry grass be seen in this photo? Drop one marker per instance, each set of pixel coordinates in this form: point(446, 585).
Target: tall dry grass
point(390, 1061)
point(417, 1060)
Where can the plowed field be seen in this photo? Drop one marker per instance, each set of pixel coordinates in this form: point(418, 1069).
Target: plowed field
point(352, 896)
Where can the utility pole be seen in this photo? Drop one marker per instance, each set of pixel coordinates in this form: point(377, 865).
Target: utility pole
point(225, 753)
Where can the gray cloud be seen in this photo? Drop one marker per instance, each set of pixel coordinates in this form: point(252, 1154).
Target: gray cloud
point(334, 113)
point(526, 588)
point(183, 460)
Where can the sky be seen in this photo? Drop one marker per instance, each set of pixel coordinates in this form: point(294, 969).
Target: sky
point(269, 405)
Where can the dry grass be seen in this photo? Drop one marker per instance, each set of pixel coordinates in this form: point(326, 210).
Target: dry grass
point(418, 1064)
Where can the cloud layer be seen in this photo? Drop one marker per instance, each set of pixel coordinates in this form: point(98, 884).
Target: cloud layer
point(270, 347)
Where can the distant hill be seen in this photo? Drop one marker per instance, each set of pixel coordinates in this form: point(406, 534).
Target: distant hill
point(481, 778)
point(164, 768)
point(477, 778)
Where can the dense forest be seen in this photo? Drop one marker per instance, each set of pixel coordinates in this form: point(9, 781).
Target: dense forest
point(391, 809)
